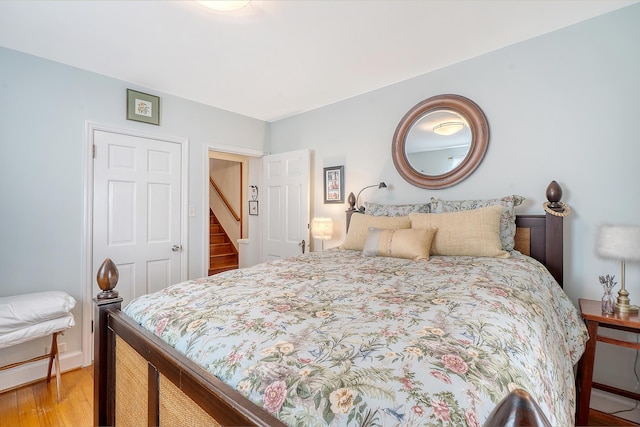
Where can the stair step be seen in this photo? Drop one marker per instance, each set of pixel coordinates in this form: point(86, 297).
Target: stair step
point(223, 259)
point(222, 248)
point(223, 255)
point(218, 238)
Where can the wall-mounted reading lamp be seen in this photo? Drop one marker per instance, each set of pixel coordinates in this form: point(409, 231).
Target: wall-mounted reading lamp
point(354, 200)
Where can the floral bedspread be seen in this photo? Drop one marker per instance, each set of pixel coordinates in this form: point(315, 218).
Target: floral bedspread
point(333, 338)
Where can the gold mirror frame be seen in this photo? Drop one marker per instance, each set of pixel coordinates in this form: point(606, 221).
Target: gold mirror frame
point(479, 141)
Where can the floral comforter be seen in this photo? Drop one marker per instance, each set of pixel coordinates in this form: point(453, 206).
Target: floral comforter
point(333, 338)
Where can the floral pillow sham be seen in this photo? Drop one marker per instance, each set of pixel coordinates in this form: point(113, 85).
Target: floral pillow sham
point(379, 209)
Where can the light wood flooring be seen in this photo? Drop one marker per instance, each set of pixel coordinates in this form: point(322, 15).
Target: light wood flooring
point(37, 404)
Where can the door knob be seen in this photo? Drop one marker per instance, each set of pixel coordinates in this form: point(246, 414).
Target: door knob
point(176, 248)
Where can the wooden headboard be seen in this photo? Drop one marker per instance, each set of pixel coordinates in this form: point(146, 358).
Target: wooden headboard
point(541, 237)
point(538, 236)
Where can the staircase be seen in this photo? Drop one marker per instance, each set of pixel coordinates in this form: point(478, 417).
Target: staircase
point(223, 255)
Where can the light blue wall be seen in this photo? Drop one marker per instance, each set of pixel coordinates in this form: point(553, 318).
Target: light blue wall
point(44, 106)
point(563, 107)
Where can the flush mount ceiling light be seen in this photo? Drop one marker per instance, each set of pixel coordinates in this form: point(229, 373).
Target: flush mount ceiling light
point(224, 5)
point(448, 128)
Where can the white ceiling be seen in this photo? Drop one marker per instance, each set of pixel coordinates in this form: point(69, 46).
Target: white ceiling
point(274, 59)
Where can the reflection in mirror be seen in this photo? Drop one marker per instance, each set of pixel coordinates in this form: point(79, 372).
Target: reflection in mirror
point(438, 142)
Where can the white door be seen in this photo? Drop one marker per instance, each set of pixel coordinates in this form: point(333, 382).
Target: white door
point(285, 212)
point(136, 211)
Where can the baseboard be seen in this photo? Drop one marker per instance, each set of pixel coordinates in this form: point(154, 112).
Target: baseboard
point(30, 372)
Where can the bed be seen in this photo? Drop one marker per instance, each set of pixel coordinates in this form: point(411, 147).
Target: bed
point(338, 338)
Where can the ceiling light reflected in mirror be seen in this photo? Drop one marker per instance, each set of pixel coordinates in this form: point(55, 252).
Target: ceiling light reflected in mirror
point(448, 128)
point(224, 5)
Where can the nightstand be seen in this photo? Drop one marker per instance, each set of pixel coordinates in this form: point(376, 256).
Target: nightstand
point(592, 314)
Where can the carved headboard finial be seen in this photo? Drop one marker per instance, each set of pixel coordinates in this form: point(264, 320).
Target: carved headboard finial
point(554, 194)
point(352, 202)
point(553, 205)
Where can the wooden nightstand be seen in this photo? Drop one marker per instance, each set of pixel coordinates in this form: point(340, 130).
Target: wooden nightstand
point(593, 316)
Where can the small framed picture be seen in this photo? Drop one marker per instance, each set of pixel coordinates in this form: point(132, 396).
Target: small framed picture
point(143, 107)
point(334, 184)
point(253, 207)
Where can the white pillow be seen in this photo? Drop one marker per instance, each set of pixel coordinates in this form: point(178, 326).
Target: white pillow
point(19, 311)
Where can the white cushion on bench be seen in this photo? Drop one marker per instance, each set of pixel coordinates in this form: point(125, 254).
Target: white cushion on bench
point(22, 311)
point(36, 331)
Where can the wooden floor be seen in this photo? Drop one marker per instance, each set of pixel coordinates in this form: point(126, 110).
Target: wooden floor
point(37, 404)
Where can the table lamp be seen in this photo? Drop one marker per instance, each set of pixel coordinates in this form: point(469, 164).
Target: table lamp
point(621, 242)
point(322, 228)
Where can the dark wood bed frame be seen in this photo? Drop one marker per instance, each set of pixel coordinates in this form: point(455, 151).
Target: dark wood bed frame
point(141, 380)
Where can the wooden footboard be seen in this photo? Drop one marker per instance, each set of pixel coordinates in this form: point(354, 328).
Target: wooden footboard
point(141, 380)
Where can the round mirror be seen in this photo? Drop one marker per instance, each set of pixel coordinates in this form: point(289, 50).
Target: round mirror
point(440, 141)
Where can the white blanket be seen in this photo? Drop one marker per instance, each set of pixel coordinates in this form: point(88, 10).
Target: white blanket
point(36, 331)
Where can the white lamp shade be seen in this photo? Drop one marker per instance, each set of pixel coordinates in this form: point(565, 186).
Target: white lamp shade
point(322, 228)
point(619, 242)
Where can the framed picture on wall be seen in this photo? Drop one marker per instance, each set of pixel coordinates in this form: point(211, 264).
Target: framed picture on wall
point(143, 107)
point(334, 184)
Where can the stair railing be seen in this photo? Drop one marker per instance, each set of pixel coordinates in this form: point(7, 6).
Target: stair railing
point(224, 200)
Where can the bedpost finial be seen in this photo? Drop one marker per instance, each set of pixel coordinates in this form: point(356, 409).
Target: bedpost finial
point(553, 205)
point(352, 201)
point(107, 278)
point(554, 194)
point(517, 408)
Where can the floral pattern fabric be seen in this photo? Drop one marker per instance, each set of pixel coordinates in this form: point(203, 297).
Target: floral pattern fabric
point(334, 338)
point(377, 209)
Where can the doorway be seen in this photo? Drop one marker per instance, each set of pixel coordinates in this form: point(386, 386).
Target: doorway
point(228, 174)
point(135, 213)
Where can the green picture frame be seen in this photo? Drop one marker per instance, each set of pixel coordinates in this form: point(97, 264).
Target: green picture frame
point(143, 107)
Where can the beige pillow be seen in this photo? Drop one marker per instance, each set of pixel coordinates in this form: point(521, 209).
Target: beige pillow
point(357, 234)
point(473, 232)
point(507, 220)
point(412, 243)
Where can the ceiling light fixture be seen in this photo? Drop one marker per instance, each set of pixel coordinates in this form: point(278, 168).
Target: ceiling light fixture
point(224, 5)
point(448, 128)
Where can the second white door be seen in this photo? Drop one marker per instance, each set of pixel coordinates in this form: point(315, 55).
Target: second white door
point(137, 211)
point(285, 225)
